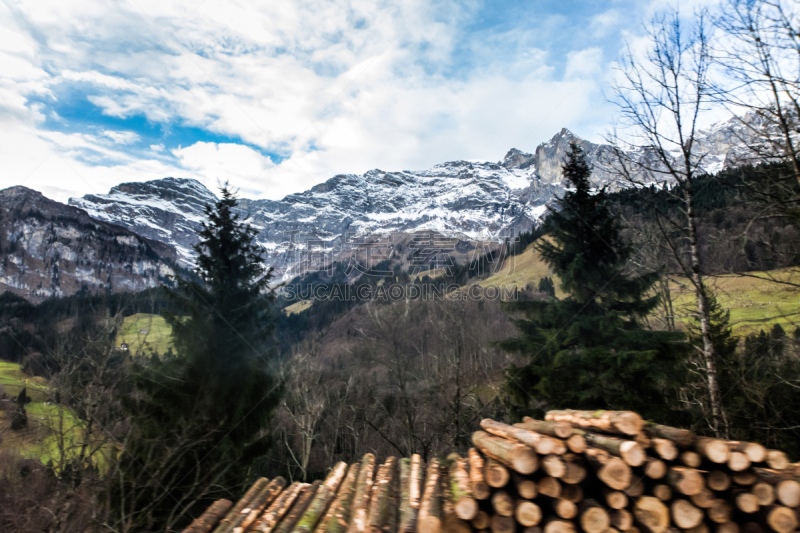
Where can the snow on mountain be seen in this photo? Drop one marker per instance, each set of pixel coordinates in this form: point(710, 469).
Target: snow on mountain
point(467, 199)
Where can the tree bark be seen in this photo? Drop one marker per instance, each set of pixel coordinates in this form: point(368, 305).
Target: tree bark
point(363, 494)
point(480, 489)
point(325, 494)
point(620, 422)
point(518, 456)
point(430, 511)
point(226, 524)
point(339, 514)
point(543, 444)
point(300, 505)
point(205, 522)
point(279, 508)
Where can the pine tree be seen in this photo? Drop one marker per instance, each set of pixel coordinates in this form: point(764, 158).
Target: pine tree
point(212, 399)
point(589, 349)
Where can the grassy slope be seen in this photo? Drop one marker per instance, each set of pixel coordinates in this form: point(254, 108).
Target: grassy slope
point(754, 303)
point(297, 307)
point(145, 333)
point(37, 440)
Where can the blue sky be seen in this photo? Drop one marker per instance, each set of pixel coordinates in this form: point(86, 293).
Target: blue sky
point(279, 96)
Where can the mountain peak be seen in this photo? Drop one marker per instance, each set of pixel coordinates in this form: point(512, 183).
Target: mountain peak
point(517, 159)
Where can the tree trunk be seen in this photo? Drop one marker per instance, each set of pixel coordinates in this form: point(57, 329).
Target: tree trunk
point(339, 513)
point(363, 494)
point(205, 522)
point(279, 508)
point(326, 492)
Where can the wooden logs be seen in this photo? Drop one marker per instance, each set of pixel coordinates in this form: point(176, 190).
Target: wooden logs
point(665, 448)
point(495, 473)
point(206, 521)
point(655, 468)
point(621, 519)
point(553, 466)
point(559, 526)
point(621, 422)
point(383, 505)
point(358, 524)
point(527, 513)
point(610, 470)
point(651, 513)
point(550, 487)
point(517, 456)
point(339, 512)
point(460, 489)
point(480, 488)
point(738, 461)
point(690, 459)
point(575, 469)
point(410, 495)
point(662, 492)
point(746, 502)
point(322, 499)
point(687, 481)
point(616, 499)
point(593, 518)
point(576, 443)
point(278, 509)
point(430, 509)
point(227, 523)
point(681, 437)
point(718, 480)
point(300, 505)
point(714, 450)
point(720, 511)
point(777, 460)
point(565, 509)
point(502, 524)
point(258, 504)
point(684, 514)
point(781, 519)
point(754, 451)
point(526, 487)
point(573, 493)
point(628, 450)
point(481, 520)
point(502, 503)
point(561, 430)
point(543, 444)
point(764, 493)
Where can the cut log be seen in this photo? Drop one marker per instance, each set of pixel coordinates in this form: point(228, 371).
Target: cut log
point(553, 466)
point(662, 492)
point(464, 503)
point(788, 492)
point(665, 448)
point(593, 518)
point(521, 458)
point(300, 505)
point(655, 468)
point(573, 493)
point(527, 513)
point(565, 509)
point(430, 510)
point(628, 450)
point(781, 519)
point(616, 499)
point(764, 493)
point(275, 512)
point(738, 461)
point(718, 480)
point(754, 451)
point(559, 526)
point(714, 450)
point(636, 488)
point(322, 499)
point(621, 422)
point(206, 521)
point(610, 470)
point(560, 430)
point(702, 528)
point(691, 459)
point(495, 473)
point(358, 523)
point(621, 519)
point(550, 487)
point(502, 503)
point(257, 505)
point(777, 460)
point(720, 511)
point(747, 502)
point(704, 499)
point(681, 437)
point(728, 527)
point(575, 469)
point(337, 518)
point(383, 507)
point(576, 443)
point(481, 520)
point(526, 487)
point(652, 514)
point(410, 499)
point(543, 444)
point(502, 524)
point(480, 488)
point(687, 481)
point(451, 522)
point(745, 478)
point(227, 523)
point(685, 515)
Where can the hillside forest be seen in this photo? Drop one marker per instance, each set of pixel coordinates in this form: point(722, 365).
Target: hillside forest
point(133, 411)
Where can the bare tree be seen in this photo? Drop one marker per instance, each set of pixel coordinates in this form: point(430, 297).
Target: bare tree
point(662, 95)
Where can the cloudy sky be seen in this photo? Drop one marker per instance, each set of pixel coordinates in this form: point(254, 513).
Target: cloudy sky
point(278, 96)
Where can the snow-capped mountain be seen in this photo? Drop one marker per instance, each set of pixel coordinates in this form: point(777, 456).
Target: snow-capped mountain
point(468, 199)
point(51, 249)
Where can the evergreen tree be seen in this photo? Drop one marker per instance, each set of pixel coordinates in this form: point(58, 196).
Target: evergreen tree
point(547, 286)
point(589, 350)
point(212, 399)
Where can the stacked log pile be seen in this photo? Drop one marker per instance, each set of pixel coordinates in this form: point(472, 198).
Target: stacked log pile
point(590, 471)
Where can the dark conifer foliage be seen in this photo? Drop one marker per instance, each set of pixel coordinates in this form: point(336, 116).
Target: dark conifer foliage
point(589, 350)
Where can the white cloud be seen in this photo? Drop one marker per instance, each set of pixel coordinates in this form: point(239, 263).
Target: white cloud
point(342, 87)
